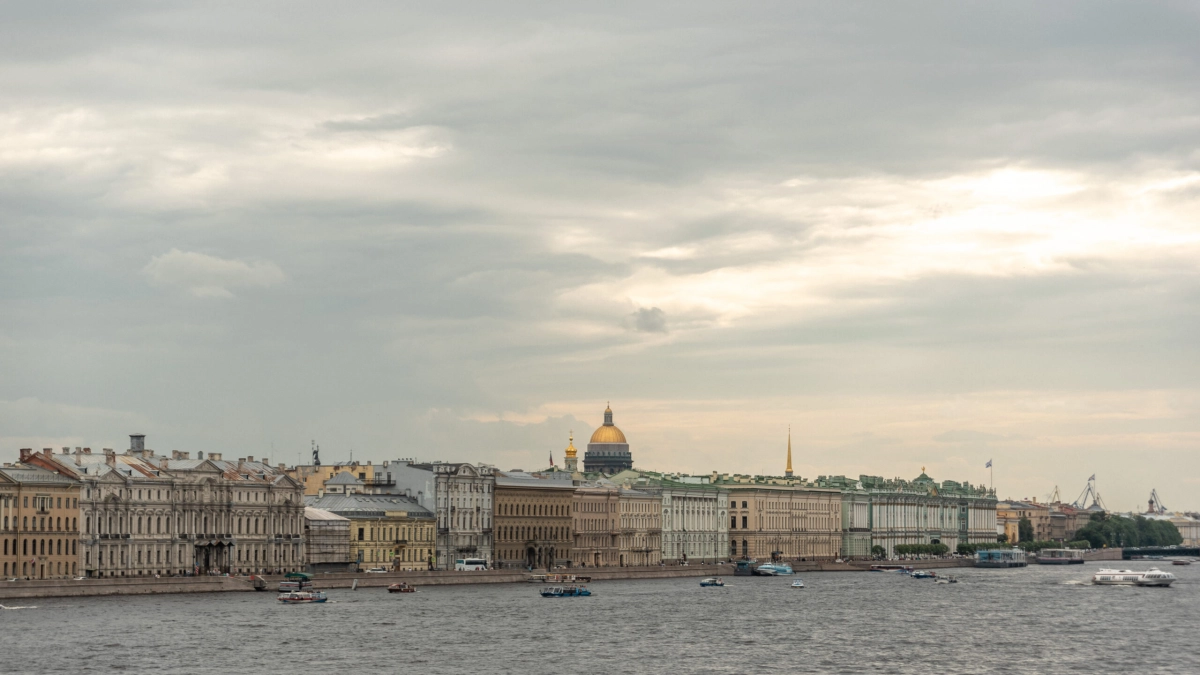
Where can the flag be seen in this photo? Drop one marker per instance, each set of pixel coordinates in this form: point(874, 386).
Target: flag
point(552, 459)
point(988, 465)
point(1093, 477)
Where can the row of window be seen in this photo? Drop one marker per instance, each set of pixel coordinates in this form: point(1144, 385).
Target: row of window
point(43, 524)
point(40, 546)
point(144, 495)
point(39, 571)
point(40, 502)
point(250, 525)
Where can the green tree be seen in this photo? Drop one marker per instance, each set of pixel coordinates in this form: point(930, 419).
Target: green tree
point(878, 551)
point(1025, 530)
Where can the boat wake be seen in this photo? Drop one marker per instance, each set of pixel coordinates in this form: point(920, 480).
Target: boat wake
point(19, 607)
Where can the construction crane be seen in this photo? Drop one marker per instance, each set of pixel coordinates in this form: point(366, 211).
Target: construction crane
point(1156, 505)
point(1055, 498)
point(1090, 491)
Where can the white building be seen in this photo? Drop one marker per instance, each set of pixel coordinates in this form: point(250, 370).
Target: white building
point(695, 514)
point(464, 498)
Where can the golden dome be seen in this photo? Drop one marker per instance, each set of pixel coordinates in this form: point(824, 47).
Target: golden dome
point(571, 451)
point(608, 434)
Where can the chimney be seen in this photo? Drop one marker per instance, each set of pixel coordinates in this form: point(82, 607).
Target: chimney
point(137, 441)
point(282, 466)
point(26, 453)
point(175, 454)
point(110, 457)
point(200, 455)
point(214, 456)
point(249, 458)
point(266, 461)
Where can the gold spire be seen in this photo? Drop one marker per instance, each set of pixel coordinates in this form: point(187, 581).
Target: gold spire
point(571, 445)
point(788, 472)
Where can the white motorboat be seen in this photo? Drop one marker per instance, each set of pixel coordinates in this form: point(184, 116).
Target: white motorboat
point(773, 569)
point(797, 584)
point(1150, 577)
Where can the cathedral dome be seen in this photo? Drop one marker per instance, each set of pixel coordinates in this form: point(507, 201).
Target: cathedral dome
point(608, 433)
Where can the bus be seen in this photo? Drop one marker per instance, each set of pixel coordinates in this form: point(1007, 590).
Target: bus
point(470, 564)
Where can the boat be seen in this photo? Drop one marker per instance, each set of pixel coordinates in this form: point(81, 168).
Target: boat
point(1181, 562)
point(945, 580)
point(1155, 577)
point(1001, 557)
point(797, 584)
point(903, 569)
point(712, 581)
point(924, 574)
point(1059, 556)
point(773, 569)
point(1150, 577)
point(565, 592)
point(401, 587)
point(302, 597)
point(296, 581)
point(258, 583)
point(742, 569)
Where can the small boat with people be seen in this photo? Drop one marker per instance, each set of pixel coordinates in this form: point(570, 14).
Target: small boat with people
point(302, 597)
point(1150, 577)
point(402, 587)
point(945, 580)
point(297, 589)
point(798, 584)
point(565, 592)
point(716, 582)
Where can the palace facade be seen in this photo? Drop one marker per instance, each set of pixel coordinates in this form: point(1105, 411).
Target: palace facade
point(533, 520)
point(39, 523)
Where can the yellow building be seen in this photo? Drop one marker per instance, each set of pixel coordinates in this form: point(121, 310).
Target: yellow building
point(39, 523)
point(313, 477)
point(388, 531)
point(782, 518)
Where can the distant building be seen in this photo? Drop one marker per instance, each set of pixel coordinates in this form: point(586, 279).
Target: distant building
point(694, 521)
point(39, 523)
point(640, 525)
point(533, 519)
point(782, 518)
point(464, 501)
point(607, 451)
point(922, 511)
point(389, 531)
point(327, 541)
point(595, 514)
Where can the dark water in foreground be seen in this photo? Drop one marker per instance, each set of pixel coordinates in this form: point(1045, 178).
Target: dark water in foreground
point(1036, 620)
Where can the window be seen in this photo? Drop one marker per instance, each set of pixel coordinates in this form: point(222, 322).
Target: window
point(744, 526)
point(361, 532)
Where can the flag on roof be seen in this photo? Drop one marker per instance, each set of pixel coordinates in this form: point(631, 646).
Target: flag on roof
point(988, 465)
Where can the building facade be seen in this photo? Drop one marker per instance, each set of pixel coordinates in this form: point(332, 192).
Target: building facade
point(595, 511)
point(464, 497)
point(533, 520)
point(607, 451)
point(39, 523)
point(694, 514)
point(327, 541)
point(782, 518)
point(921, 511)
point(386, 531)
point(640, 524)
point(142, 514)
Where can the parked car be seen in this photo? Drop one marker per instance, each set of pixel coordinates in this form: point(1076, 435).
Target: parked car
point(377, 570)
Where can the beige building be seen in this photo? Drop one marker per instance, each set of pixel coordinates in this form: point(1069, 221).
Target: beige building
point(1011, 512)
point(391, 531)
point(596, 525)
point(145, 514)
point(640, 539)
point(39, 523)
point(533, 519)
point(782, 518)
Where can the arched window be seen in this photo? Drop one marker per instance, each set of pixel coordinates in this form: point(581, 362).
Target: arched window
point(73, 542)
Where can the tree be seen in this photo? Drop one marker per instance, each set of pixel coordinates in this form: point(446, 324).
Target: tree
point(878, 551)
point(1024, 530)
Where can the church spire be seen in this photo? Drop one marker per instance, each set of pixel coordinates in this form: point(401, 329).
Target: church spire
point(788, 472)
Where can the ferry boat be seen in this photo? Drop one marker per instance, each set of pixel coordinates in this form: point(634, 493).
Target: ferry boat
point(302, 597)
point(565, 592)
point(1001, 557)
point(1060, 556)
point(773, 569)
point(1151, 577)
point(401, 587)
point(712, 581)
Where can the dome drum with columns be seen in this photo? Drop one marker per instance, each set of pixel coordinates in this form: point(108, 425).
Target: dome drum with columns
point(607, 451)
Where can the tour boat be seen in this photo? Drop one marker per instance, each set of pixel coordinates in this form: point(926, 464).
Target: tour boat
point(712, 581)
point(1151, 577)
point(797, 584)
point(401, 587)
point(301, 597)
point(773, 569)
point(565, 592)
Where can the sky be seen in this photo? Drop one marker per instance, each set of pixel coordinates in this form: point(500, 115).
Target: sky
point(922, 235)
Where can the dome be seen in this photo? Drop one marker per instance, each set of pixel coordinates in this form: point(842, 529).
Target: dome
point(608, 434)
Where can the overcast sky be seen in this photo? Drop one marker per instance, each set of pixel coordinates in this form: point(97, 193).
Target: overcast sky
point(922, 234)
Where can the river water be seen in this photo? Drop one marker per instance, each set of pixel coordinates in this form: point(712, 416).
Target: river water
point(1034, 620)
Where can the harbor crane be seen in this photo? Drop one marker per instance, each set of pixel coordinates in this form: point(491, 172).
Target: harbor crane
point(1156, 505)
point(1090, 491)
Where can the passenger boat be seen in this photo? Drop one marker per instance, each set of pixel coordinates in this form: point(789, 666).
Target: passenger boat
point(565, 592)
point(797, 584)
point(1151, 577)
point(903, 569)
point(1059, 556)
point(924, 574)
point(1000, 557)
point(1181, 562)
point(401, 587)
point(712, 581)
point(773, 569)
point(302, 597)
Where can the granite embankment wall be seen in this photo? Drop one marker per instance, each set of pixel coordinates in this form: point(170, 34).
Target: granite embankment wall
point(1103, 554)
point(150, 586)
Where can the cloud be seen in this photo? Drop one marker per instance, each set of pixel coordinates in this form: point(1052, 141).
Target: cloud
point(968, 436)
point(207, 276)
point(652, 320)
